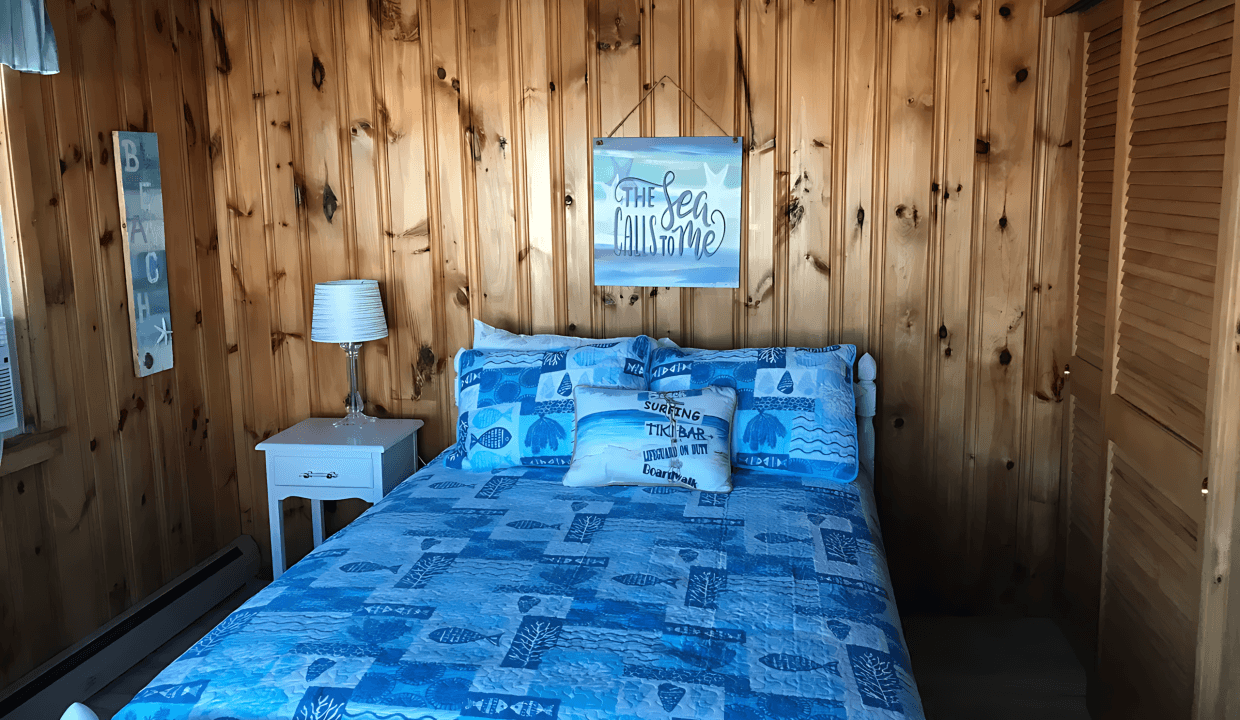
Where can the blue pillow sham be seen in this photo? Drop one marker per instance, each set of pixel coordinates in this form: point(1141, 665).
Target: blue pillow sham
point(517, 408)
point(795, 412)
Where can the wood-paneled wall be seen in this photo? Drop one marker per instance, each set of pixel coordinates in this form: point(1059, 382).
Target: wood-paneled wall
point(140, 480)
point(909, 188)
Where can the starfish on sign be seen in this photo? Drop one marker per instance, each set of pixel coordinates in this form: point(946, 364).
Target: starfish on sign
point(165, 333)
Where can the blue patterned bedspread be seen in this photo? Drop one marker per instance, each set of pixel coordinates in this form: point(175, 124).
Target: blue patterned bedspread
point(508, 595)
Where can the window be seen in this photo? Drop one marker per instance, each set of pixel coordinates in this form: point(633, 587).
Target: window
point(11, 422)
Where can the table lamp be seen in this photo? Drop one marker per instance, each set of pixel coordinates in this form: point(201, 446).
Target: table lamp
point(349, 312)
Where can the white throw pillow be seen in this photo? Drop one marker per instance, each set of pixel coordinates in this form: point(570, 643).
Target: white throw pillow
point(492, 338)
point(680, 438)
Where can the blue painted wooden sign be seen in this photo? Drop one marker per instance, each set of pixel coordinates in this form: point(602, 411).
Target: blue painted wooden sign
point(667, 211)
point(142, 210)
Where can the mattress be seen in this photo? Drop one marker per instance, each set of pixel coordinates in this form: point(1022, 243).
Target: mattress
point(507, 595)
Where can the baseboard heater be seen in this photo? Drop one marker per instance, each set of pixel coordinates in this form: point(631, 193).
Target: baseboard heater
point(86, 668)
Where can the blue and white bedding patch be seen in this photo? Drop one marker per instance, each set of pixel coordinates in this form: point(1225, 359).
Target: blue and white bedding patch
point(680, 438)
point(516, 407)
point(795, 411)
point(509, 596)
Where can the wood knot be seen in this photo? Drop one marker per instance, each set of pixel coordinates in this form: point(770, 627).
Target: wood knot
point(905, 213)
point(223, 64)
point(1005, 11)
point(898, 423)
point(1005, 357)
point(795, 213)
point(981, 147)
point(329, 202)
point(1022, 75)
point(318, 73)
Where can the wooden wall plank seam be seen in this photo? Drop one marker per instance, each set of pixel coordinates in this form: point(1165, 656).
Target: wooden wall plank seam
point(911, 97)
point(1047, 332)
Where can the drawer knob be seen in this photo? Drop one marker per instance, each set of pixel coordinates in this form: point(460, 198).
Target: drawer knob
point(328, 475)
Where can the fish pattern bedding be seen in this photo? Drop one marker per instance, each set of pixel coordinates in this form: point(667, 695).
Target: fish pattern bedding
point(507, 595)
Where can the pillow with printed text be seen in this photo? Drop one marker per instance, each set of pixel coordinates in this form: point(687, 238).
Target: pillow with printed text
point(795, 410)
point(516, 407)
point(640, 437)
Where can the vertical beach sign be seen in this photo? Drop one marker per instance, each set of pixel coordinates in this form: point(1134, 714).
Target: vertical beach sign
point(146, 265)
point(667, 211)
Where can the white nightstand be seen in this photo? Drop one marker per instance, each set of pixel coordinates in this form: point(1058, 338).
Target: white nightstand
point(320, 462)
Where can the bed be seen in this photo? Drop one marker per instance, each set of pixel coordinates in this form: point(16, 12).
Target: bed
point(505, 594)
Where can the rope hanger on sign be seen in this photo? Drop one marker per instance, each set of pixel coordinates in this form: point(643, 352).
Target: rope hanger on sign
point(666, 78)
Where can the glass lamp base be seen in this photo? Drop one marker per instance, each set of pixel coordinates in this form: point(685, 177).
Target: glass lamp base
point(353, 418)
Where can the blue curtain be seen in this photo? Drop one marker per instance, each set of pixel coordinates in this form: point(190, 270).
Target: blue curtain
point(26, 39)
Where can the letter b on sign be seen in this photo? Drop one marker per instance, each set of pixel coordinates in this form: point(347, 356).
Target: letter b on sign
point(130, 150)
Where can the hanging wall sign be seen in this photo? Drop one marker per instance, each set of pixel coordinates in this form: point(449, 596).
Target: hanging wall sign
point(667, 211)
point(142, 207)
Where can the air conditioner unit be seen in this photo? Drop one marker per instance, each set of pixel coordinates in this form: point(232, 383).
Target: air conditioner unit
point(8, 399)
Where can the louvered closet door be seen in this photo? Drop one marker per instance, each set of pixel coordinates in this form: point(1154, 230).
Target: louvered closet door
point(1083, 555)
point(1155, 414)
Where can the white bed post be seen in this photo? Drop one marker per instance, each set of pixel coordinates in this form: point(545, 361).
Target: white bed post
point(78, 711)
point(867, 407)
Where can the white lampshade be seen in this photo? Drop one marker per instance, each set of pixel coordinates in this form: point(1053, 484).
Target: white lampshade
point(347, 311)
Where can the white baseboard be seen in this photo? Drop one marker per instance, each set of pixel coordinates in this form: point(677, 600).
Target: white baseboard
point(84, 669)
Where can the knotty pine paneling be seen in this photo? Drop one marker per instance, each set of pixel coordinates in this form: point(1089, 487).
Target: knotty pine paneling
point(144, 484)
point(904, 167)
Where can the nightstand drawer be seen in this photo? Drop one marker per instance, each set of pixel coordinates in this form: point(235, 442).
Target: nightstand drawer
point(308, 471)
